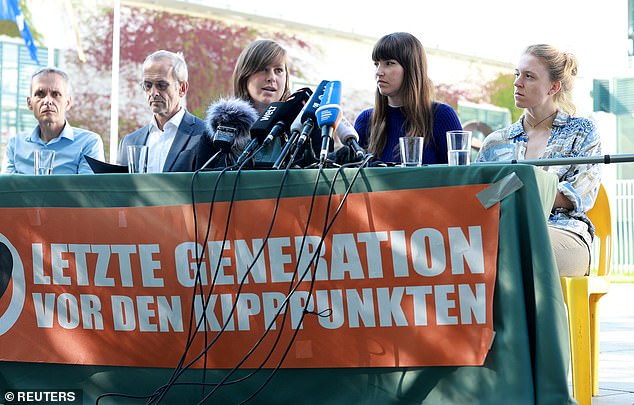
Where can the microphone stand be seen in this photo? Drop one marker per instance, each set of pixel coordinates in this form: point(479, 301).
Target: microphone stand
point(211, 159)
point(248, 151)
point(286, 150)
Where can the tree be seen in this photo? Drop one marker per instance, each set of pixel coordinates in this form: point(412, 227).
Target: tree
point(451, 94)
point(9, 28)
point(210, 47)
point(500, 92)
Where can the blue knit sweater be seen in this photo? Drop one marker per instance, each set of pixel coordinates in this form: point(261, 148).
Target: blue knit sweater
point(445, 119)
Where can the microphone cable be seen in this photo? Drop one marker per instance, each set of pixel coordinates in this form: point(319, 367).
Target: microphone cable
point(296, 151)
point(225, 381)
point(293, 288)
point(282, 306)
point(160, 392)
point(191, 335)
point(180, 369)
point(327, 226)
point(288, 148)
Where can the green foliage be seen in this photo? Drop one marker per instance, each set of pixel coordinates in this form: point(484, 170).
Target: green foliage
point(10, 29)
point(500, 93)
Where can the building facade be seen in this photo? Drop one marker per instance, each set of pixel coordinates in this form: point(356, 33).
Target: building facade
point(16, 68)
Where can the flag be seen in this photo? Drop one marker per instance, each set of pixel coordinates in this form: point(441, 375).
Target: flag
point(10, 10)
point(71, 13)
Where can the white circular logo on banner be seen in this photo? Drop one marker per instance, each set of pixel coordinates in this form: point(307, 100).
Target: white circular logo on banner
point(11, 276)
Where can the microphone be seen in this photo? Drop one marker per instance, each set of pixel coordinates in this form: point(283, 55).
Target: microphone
point(348, 136)
point(308, 116)
point(280, 115)
point(229, 121)
point(260, 128)
point(328, 115)
point(296, 129)
point(275, 120)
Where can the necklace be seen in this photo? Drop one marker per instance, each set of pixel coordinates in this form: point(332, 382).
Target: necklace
point(535, 125)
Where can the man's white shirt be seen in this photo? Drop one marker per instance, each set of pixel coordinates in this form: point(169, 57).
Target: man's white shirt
point(159, 142)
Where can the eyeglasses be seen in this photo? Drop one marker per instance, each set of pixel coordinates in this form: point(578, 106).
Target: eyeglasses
point(160, 85)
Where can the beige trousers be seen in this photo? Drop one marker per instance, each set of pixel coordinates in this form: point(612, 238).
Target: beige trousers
point(571, 252)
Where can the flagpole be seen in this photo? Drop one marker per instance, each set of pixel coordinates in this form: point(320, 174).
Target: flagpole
point(114, 98)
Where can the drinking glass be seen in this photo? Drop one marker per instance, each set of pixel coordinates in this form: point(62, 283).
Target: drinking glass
point(459, 148)
point(411, 150)
point(43, 160)
point(137, 158)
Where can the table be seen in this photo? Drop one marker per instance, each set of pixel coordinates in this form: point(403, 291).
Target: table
point(528, 360)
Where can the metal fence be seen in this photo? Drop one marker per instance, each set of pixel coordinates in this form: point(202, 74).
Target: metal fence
point(622, 206)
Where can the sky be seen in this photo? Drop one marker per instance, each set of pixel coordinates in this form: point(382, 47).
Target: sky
point(595, 31)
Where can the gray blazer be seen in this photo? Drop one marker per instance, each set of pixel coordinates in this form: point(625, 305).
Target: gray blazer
point(182, 156)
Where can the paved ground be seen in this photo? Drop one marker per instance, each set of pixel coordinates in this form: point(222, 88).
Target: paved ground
point(616, 363)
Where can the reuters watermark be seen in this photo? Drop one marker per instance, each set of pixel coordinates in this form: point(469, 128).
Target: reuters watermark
point(48, 397)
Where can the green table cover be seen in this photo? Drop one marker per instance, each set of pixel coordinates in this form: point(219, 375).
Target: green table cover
point(528, 360)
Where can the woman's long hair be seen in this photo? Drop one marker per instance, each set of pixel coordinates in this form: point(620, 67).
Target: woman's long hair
point(416, 91)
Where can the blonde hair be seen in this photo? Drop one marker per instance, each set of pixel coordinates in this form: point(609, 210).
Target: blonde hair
point(562, 67)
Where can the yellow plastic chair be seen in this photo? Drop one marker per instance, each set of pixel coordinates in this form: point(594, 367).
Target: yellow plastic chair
point(582, 295)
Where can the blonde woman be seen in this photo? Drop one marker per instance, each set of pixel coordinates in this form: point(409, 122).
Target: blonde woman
point(544, 80)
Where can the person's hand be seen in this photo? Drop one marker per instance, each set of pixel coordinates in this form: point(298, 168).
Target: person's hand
point(562, 202)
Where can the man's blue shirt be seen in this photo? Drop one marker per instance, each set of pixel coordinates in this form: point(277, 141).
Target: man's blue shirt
point(70, 147)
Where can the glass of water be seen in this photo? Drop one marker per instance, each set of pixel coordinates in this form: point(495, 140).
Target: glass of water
point(458, 148)
point(43, 160)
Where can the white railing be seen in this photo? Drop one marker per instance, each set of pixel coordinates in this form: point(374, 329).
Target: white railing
point(623, 228)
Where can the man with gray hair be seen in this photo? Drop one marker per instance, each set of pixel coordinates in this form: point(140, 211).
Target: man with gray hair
point(173, 134)
point(50, 99)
